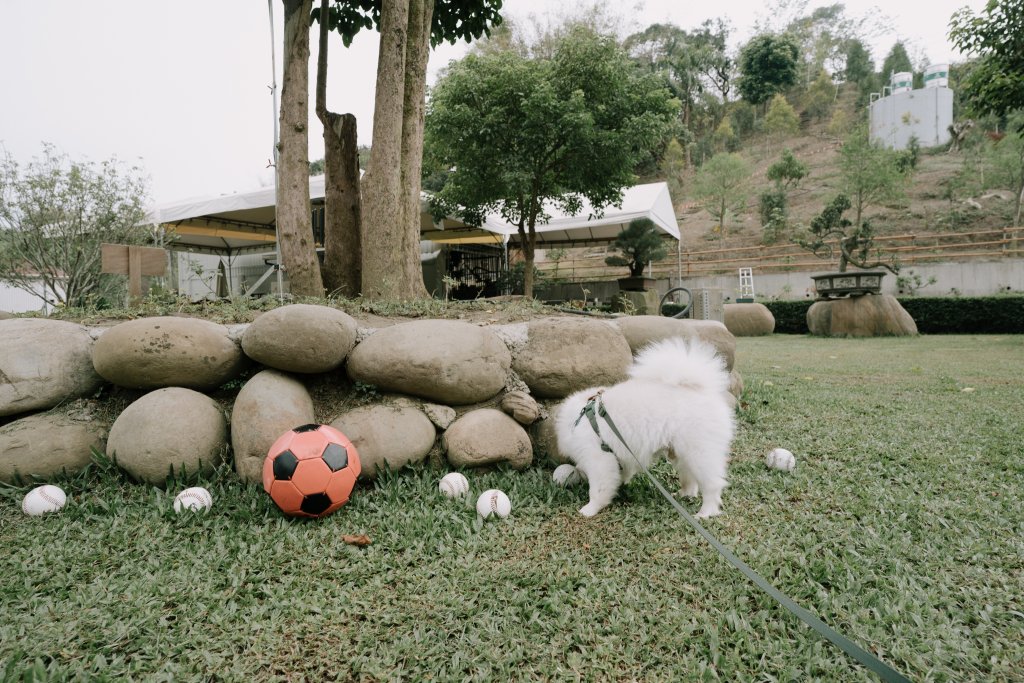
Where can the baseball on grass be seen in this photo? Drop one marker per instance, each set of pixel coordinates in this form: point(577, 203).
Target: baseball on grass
point(196, 498)
point(43, 499)
point(454, 485)
point(493, 502)
point(780, 459)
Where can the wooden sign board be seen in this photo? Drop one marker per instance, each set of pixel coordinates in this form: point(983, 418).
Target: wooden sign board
point(133, 261)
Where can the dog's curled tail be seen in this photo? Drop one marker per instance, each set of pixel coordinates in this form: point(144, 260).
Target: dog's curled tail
point(682, 363)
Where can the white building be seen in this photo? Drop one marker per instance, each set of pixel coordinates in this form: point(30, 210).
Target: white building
point(899, 112)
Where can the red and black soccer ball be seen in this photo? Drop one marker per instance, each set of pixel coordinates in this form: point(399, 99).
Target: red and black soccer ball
point(310, 471)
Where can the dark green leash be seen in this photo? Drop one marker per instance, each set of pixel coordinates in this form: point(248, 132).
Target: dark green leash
point(594, 409)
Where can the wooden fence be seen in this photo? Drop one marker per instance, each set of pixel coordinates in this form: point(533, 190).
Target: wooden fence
point(588, 265)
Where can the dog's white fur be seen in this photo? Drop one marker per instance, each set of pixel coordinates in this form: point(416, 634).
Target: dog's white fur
point(675, 399)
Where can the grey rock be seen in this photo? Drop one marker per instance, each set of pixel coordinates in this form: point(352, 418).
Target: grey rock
point(168, 429)
point(267, 406)
point(446, 361)
point(487, 437)
point(563, 355)
point(40, 446)
point(640, 330)
point(387, 435)
point(301, 338)
point(167, 351)
point(42, 363)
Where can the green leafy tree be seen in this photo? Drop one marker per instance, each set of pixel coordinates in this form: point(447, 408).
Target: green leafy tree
point(996, 35)
point(821, 96)
point(640, 243)
point(860, 71)
point(521, 132)
point(768, 64)
point(673, 166)
point(870, 174)
point(725, 138)
point(54, 215)
point(773, 213)
point(896, 61)
point(781, 119)
point(1006, 158)
point(722, 184)
point(788, 171)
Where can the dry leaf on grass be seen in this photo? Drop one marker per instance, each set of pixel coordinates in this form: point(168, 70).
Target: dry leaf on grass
point(357, 539)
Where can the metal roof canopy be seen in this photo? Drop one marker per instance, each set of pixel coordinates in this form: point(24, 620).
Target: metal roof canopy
point(245, 222)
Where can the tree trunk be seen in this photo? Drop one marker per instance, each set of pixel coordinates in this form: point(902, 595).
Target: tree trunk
point(417, 52)
point(386, 272)
point(342, 253)
point(295, 229)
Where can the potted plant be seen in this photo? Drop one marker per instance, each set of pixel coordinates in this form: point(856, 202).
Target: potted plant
point(829, 231)
point(640, 244)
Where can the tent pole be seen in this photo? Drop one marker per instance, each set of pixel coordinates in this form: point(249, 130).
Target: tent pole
point(277, 176)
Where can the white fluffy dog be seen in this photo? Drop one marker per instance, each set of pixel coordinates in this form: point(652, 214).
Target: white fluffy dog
point(675, 399)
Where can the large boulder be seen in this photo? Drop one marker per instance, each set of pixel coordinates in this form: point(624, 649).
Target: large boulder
point(267, 406)
point(150, 353)
point(40, 446)
point(749, 320)
point(871, 315)
point(391, 436)
point(563, 355)
point(169, 429)
point(43, 363)
point(446, 361)
point(301, 338)
point(487, 437)
point(640, 330)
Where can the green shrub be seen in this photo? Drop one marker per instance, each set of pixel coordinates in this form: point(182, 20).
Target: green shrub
point(933, 314)
point(967, 315)
point(790, 316)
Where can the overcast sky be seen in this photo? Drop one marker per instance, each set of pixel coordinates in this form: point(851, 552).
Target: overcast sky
point(182, 88)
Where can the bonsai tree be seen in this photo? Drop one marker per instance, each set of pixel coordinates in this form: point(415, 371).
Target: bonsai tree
point(640, 244)
point(854, 243)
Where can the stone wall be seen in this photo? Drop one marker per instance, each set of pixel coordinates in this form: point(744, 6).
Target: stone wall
point(469, 394)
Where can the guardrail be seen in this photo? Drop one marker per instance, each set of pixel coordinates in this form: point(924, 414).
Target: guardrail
point(909, 249)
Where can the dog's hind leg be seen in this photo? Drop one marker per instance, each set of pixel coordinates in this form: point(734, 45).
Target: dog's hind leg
point(602, 473)
point(687, 484)
point(708, 471)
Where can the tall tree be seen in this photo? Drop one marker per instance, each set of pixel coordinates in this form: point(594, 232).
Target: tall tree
point(996, 36)
point(54, 215)
point(722, 184)
point(521, 132)
point(768, 65)
point(342, 271)
point(295, 229)
point(870, 173)
point(391, 186)
point(896, 61)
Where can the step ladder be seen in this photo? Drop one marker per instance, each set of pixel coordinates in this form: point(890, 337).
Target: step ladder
point(746, 295)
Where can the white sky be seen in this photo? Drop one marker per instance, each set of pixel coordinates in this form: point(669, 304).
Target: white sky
point(182, 88)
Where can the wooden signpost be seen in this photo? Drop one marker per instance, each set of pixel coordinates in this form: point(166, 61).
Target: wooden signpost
point(133, 261)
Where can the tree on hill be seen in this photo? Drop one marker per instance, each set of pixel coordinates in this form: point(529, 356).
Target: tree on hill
point(895, 62)
point(860, 70)
point(781, 119)
point(54, 215)
point(521, 132)
point(722, 184)
point(768, 64)
point(996, 81)
point(870, 174)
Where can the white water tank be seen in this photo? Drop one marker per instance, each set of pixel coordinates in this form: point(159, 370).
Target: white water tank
point(936, 76)
point(902, 81)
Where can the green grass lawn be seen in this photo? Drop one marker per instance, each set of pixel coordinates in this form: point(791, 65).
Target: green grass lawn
point(902, 527)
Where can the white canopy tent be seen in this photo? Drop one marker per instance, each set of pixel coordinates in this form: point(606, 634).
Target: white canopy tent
point(244, 222)
point(587, 227)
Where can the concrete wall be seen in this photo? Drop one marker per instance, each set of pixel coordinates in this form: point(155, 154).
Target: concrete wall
point(976, 278)
point(925, 113)
point(14, 300)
